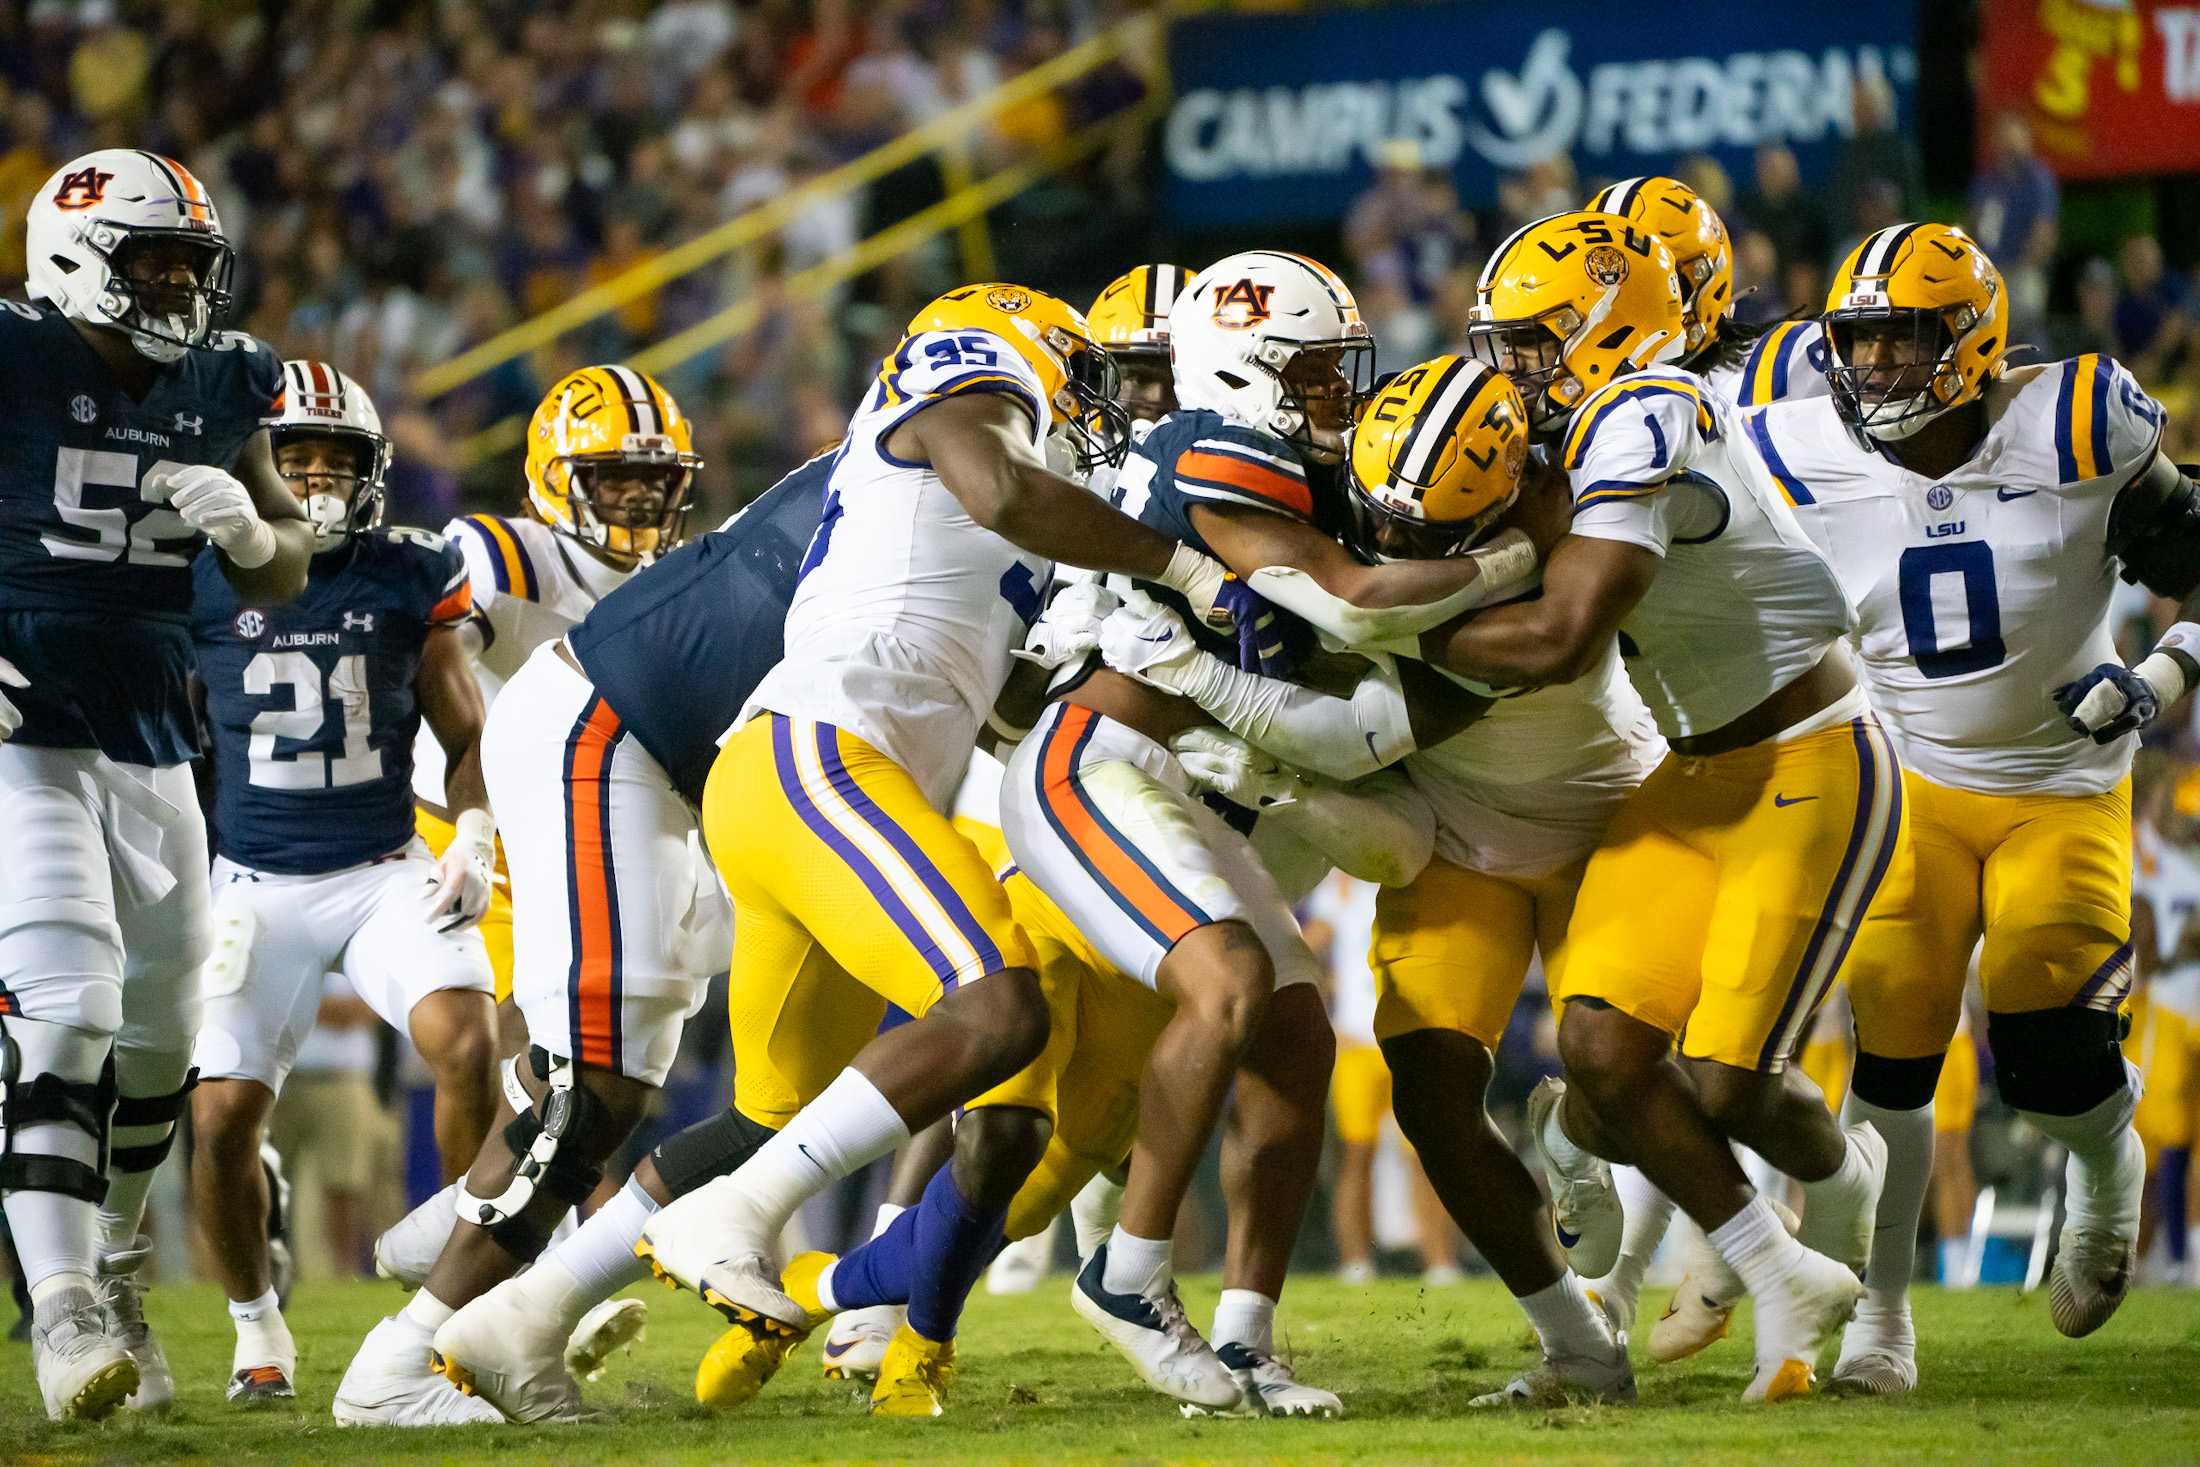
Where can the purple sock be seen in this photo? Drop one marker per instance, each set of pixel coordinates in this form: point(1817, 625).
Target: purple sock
point(2171, 1173)
point(929, 1258)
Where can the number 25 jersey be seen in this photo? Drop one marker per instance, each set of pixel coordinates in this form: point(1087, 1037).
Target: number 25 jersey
point(1981, 593)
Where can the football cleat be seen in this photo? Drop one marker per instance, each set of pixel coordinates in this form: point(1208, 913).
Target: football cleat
point(745, 1358)
point(1584, 1204)
point(1701, 1311)
point(703, 1241)
point(1840, 1225)
point(1267, 1386)
point(123, 1298)
point(612, 1326)
point(391, 1383)
point(261, 1385)
point(2091, 1276)
point(83, 1371)
point(913, 1377)
point(1156, 1337)
point(1617, 1305)
point(1568, 1380)
point(413, 1243)
point(858, 1341)
point(514, 1359)
point(1795, 1320)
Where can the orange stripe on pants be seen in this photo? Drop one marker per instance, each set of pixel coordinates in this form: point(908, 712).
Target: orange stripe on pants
point(1109, 862)
point(594, 997)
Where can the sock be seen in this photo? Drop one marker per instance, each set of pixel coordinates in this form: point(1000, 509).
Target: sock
point(53, 1234)
point(1247, 1317)
point(549, 1290)
point(1137, 1265)
point(1567, 1323)
point(263, 1335)
point(847, 1127)
point(600, 1254)
point(2107, 1167)
point(929, 1257)
point(424, 1311)
point(1840, 1189)
point(1909, 1138)
point(252, 1311)
point(1093, 1211)
point(1756, 1245)
point(2192, 1254)
point(1649, 1213)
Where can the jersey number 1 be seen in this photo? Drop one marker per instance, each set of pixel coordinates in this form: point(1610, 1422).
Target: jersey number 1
point(1973, 562)
point(310, 691)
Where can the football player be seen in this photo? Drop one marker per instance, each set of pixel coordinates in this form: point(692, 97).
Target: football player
point(1722, 897)
point(1977, 516)
point(1130, 317)
point(609, 468)
point(314, 708)
point(2165, 1038)
point(825, 809)
point(137, 441)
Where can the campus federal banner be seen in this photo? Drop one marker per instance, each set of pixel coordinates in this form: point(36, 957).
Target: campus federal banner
point(2110, 88)
point(1286, 116)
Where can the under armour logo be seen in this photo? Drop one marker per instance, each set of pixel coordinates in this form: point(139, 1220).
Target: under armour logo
point(190, 423)
point(82, 408)
point(358, 621)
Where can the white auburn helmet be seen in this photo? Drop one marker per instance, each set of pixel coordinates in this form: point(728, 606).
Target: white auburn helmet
point(88, 218)
point(1242, 321)
point(318, 401)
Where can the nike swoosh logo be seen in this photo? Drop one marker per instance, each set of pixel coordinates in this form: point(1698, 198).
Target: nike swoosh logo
point(1164, 637)
point(834, 1349)
point(1566, 1239)
point(805, 1150)
point(2005, 495)
point(1783, 801)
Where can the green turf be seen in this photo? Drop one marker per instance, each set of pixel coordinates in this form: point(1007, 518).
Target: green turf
point(1037, 1386)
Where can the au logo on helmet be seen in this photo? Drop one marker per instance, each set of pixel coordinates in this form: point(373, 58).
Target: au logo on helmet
point(1008, 298)
point(1242, 304)
point(1606, 265)
point(81, 189)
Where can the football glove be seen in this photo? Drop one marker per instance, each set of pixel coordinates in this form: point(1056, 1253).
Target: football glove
point(1069, 629)
point(1145, 640)
point(11, 717)
point(2112, 700)
point(1235, 770)
point(466, 873)
point(218, 506)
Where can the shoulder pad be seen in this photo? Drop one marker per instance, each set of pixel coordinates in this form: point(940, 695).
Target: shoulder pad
point(1630, 436)
point(495, 544)
point(2104, 425)
point(938, 364)
point(1208, 457)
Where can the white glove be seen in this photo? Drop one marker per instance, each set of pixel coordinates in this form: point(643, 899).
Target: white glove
point(466, 872)
point(1236, 770)
point(1069, 628)
point(11, 717)
point(1201, 581)
point(219, 507)
point(1145, 640)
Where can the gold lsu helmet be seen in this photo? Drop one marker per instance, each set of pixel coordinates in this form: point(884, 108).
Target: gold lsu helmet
point(610, 418)
point(1053, 337)
point(1571, 302)
point(1916, 324)
point(1696, 235)
point(1130, 316)
point(1436, 460)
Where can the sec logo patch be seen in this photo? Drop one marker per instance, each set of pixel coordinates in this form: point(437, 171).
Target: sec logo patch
point(1940, 496)
point(250, 624)
point(82, 408)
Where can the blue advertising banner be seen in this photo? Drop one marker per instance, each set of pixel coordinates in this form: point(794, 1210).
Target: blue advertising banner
point(1285, 117)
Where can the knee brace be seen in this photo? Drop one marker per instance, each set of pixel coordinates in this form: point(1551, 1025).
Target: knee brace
point(539, 1137)
point(1896, 1084)
point(2056, 1062)
point(35, 1090)
point(707, 1151)
point(145, 1112)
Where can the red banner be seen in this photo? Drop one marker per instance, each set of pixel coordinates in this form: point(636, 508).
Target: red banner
point(2112, 87)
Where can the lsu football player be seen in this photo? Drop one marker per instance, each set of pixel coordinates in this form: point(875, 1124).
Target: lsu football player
point(1719, 903)
point(1130, 317)
point(1747, 366)
point(1519, 799)
point(136, 439)
point(314, 708)
point(1977, 516)
point(826, 809)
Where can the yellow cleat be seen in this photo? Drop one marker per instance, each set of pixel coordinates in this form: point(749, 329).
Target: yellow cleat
point(799, 1280)
point(745, 1358)
point(913, 1378)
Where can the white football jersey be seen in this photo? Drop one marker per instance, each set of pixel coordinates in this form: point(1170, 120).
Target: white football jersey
point(1977, 596)
point(1744, 603)
point(2168, 876)
point(1528, 789)
point(1786, 363)
point(530, 586)
point(901, 628)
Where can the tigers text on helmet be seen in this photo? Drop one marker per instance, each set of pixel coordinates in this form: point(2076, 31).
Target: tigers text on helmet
point(601, 426)
point(1436, 461)
point(1916, 323)
point(319, 402)
point(1574, 301)
point(1274, 340)
point(107, 238)
point(1052, 336)
point(1696, 235)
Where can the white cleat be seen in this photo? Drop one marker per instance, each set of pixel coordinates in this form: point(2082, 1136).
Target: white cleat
point(514, 1359)
point(2092, 1275)
point(1616, 1304)
point(1701, 1311)
point(390, 1383)
point(1795, 1321)
point(1841, 1225)
point(1023, 1265)
point(604, 1331)
point(83, 1370)
point(1156, 1337)
point(123, 1298)
point(1878, 1354)
point(1268, 1387)
point(704, 1242)
point(858, 1341)
point(1569, 1380)
point(1584, 1204)
point(410, 1248)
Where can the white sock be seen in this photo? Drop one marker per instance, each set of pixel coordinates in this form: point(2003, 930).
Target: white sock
point(1093, 1211)
point(1756, 1245)
point(550, 1290)
point(2107, 1168)
point(263, 1336)
point(1850, 1177)
point(1246, 1316)
point(54, 1234)
point(252, 1311)
point(847, 1127)
point(142, 1072)
point(425, 1312)
point(1649, 1213)
point(600, 1254)
point(1570, 1159)
point(124, 1210)
point(1950, 1256)
point(1567, 1323)
point(1137, 1265)
point(1909, 1138)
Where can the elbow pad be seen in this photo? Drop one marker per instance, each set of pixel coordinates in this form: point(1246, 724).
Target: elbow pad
point(1507, 564)
point(2154, 529)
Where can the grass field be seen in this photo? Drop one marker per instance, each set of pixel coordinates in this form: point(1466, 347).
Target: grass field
point(1037, 1386)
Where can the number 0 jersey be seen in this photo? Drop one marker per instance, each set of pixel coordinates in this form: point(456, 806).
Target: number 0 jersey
point(1744, 603)
point(901, 628)
point(95, 580)
point(1980, 594)
point(312, 704)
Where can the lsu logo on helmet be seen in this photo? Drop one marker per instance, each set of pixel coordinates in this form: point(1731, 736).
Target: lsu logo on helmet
point(1242, 304)
point(1694, 232)
point(1009, 298)
point(1606, 266)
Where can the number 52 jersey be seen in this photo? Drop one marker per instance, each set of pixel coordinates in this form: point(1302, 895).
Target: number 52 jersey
point(1980, 593)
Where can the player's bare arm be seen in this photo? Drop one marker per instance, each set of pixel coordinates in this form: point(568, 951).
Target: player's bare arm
point(450, 701)
point(1589, 587)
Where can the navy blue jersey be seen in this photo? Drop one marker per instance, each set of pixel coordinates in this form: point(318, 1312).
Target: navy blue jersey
point(677, 651)
point(95, 583)
point(312, 705)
